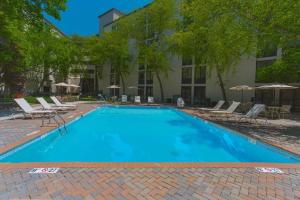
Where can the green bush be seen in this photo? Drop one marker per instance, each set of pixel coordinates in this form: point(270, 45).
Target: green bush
point(87, 98)
point(32, 99)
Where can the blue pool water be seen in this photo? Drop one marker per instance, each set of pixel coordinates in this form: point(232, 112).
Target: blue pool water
point(145, 134)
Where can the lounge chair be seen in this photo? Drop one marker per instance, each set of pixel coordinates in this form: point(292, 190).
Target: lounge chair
point(253, 113)
point(29, 111)
point(180, 102)
point(47, 106)
point(150, 100)
point(285, 110)
point(124, 98)
point(229, 110)
point(137, 99)
point(59, 104)
point(217, 106)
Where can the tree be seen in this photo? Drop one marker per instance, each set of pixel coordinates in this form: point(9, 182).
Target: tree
point(277, 23)
point(16, 18)
point(150, 28)
point(117, 54)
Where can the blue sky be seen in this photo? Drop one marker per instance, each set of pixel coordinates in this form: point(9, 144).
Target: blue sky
point(81, 16)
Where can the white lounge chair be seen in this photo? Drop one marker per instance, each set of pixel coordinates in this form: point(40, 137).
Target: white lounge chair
point(59, 104)
point(180, 102)
point(124, 98)
point(150, 100)
point(137, 99)
point(217, 106)
point(229, 110)
point(28, 110)
point(253, 113)
point(47, 106)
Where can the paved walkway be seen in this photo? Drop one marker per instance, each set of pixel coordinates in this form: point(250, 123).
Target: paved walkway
point(151, 184)
point(138, 183)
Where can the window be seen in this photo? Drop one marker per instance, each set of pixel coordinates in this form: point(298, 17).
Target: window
point(264, 63)
point(90, 71)
point(141, 91)
point(186, 75)
point(187, 60)
point(200, 75)
point(269, 50)
point(199, 95)
point(149, 78)
point(186, 94)
point(149, 91)
point(141, 67)
point(142, 77)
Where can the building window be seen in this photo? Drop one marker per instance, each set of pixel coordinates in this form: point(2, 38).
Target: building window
point(186, 75)
point(200, 75)
point(267, 51)
point(90, 71)
point(149, 78)
point(141, 91)
point(199, 95)
point(149, 91)
point(187, 60)
point(142, 77)
point(186, 94)
point(141, 67)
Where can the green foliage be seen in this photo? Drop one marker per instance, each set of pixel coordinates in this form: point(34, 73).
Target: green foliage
point(17, 18)
point(33, 100)
point(150, 28)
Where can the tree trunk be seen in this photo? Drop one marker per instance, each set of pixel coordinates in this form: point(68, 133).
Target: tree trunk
point(96, 89)
point(123, 83)
point(221, 84)
point(160, 86)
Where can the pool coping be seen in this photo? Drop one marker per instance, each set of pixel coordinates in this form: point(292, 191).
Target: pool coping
point(134, 165)
point(46, 130)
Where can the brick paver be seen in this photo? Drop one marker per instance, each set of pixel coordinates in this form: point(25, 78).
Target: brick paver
point(153, 183)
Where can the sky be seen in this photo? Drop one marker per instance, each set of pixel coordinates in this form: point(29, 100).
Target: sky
point(81, 16)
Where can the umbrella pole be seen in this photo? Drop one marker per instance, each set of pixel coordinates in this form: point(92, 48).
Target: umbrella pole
point(242, 96)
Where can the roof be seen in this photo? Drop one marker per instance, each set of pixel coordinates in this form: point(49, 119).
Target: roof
point(111, 10)
point(54, 27)
point(125, 15)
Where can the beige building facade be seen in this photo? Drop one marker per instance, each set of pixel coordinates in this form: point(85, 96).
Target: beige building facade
point(197, 85)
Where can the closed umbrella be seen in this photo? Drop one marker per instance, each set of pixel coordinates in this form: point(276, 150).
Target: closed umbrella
point(242, 88)
point(276, 88)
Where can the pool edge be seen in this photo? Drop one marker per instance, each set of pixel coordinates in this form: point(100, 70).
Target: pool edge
point(133, 165)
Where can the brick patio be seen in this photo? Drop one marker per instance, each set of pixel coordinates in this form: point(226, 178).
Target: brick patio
point(155, 183)
point(172, 182)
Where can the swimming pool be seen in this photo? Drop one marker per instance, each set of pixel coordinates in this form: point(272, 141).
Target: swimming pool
point(145, 134)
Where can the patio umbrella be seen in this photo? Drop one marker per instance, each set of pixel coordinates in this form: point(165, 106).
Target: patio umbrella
point(114, 87)
point(74, 86)
point(132, 87)
point(62, 84)
point(276, 88)
point(242, 88)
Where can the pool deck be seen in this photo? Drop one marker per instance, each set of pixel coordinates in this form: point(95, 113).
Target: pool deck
point(146, 180)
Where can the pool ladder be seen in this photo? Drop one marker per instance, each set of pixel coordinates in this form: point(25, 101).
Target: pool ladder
point(59, 125)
